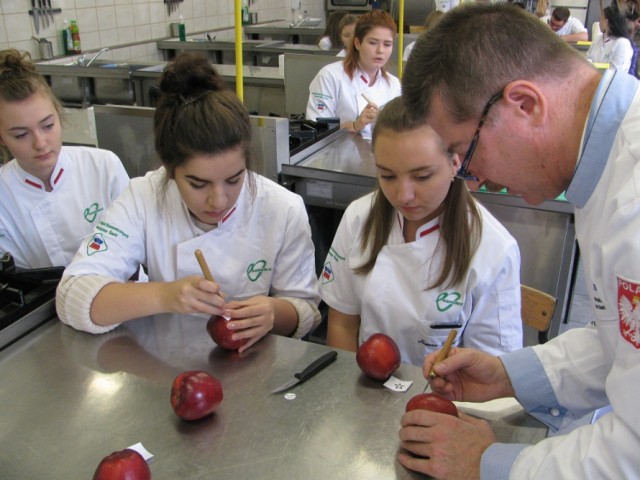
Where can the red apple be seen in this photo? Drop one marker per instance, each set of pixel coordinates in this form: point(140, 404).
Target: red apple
point(432, 402)
point(125, 464)
point(217, 328)
point(378, 357)
point(195, 395)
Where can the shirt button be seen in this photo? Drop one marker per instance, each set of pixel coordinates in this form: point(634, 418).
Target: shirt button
point(554, 412)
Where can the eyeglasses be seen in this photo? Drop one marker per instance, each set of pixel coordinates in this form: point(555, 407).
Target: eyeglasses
point(462, 172)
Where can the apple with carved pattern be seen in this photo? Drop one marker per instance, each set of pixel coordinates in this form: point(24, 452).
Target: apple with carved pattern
point(220, 333)
point(432, 402)
point(125, 464)
point(195, 394)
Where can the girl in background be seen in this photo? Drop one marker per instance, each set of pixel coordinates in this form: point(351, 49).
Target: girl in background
point(347, 29)
point(253, 232)
point(429, 22)
point(338, 88)
point(419, 256)
point(614, 46)
point(51, 196)
point(330, 38)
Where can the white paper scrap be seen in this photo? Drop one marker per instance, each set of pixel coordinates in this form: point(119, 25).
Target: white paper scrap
point(398, 385)
point(142, 451)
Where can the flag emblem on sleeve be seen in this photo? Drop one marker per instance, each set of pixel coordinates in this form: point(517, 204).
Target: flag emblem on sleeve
point(629, 311)
point(96, 244)
point(327, 273)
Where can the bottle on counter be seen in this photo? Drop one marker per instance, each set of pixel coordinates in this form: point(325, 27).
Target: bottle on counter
point(75, 37)
point(245, 12)
point(182, 30)
point(67, 41)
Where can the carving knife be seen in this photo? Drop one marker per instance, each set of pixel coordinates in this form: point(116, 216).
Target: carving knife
point(50, 9)
point(308, 372)
point(36, 19)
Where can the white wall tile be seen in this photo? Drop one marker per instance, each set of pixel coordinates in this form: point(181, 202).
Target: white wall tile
point(106, 18)
point(141, 13)
point(87, 20)
point(124, 16)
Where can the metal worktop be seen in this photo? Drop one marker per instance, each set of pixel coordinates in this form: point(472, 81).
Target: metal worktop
point(70, 398)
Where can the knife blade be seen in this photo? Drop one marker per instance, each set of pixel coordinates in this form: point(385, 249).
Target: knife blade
point(50, 10)
point(36, 20)
point(313, 368)
point(40, 12)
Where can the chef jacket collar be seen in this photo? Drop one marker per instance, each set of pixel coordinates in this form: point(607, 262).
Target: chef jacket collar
point(424, 230)
point(364, 78)
point(34, 182)
point(610, 104)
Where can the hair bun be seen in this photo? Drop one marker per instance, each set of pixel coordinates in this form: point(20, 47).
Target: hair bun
point(188, 74)
point(14, 62)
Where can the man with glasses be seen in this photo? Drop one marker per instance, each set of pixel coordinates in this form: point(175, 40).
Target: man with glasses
point(569, 28)
point(495, 83)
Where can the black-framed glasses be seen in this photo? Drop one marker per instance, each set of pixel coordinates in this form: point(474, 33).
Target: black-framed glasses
point(462, 171)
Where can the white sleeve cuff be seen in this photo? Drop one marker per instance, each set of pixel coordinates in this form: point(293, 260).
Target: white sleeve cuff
point(308, 315)
point(74, 297)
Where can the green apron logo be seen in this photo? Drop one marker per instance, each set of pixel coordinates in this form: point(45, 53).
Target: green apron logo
point(446, 300)
point(91, 212)
point(254, 270)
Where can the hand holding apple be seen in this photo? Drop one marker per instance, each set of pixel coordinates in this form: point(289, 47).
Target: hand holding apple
point(220, 333)
point(378, 357)
point(432, 402)
point(195, 394)
point(125, 464)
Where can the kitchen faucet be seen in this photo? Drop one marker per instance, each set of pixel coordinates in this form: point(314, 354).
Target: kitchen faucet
point(301, 20)
point(83, 59)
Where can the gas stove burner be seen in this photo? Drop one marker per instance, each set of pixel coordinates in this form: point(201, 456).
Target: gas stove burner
point(23, 290)
point(303, 133)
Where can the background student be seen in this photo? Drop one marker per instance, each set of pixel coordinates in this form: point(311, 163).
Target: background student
point(419, 256)
point(51, 196)
point(517, 102)
point(254, 233)
point(337, 89)
point(330, 38)
point(614, 45)
point(347, 29)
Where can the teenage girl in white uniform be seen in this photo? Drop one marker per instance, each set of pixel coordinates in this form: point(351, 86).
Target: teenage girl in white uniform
point(253, 233)
point(52, 196)
point(337, 89)
point(419, 257)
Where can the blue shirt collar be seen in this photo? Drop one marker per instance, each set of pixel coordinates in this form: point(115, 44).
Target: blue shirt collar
point(610, 104)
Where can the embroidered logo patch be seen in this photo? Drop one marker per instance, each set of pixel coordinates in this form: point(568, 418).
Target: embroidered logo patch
point(629, 311)
point(97, 244)
point(91, 212)
point(320, 106)
point(327, 273)
point(446, 300)
point(255, 270)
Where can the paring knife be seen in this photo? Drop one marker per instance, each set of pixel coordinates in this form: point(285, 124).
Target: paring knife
point(50, 9)
point(36, 20)
point(308, 372)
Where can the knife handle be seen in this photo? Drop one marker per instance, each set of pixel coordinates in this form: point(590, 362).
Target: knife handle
point(316, 366)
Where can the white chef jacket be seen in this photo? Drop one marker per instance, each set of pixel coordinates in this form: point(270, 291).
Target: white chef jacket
point(44, 229)
point(393, 299)
point(263, 245)
point(333, 94)
point(586, 368)
point(572, 26)
point(616, 51)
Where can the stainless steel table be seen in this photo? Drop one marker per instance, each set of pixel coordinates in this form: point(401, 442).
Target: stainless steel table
point(69, 398)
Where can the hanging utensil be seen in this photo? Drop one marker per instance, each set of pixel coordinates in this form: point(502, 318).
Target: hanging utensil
point(36, 19)
point(41, 12)
point(50, 10)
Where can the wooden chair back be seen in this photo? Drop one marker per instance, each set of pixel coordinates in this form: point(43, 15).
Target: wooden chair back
point(537, 309)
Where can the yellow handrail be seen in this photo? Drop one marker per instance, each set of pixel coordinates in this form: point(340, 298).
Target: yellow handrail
point(401, 36)
point(238, 35)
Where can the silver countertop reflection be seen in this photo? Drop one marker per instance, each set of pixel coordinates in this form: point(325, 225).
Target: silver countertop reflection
point(71, 398)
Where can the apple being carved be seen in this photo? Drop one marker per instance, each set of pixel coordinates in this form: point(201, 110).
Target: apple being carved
point(378, 357)
point(433, 403)
point(195, 394)
point(125, 464)
point(218, 331)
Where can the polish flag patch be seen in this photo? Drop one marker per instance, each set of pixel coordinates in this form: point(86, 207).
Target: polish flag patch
point(629, 310)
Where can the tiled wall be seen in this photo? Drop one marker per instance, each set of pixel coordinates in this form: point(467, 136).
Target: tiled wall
point(109, 23)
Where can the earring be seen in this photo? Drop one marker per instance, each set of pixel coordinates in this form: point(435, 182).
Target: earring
point(453, 179)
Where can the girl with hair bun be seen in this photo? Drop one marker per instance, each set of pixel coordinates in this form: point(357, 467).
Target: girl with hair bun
point(254, 234)
point(52, 196)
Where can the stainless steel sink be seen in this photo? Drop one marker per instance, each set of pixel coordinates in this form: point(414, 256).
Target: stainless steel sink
point(104, 81)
